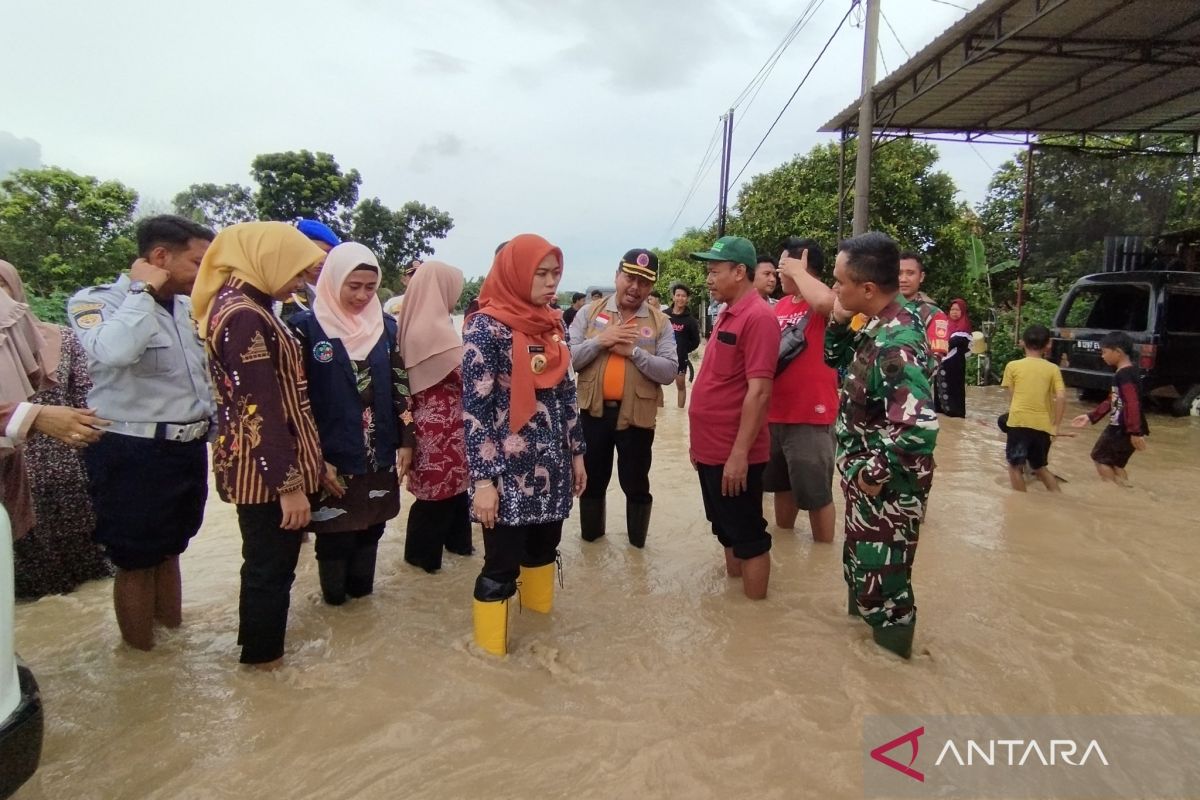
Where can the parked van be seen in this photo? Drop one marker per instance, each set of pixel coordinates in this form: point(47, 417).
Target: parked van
point(1159, 309)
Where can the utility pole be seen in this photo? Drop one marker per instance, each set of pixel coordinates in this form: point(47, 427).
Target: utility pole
point(723, 196)
point(866, 120)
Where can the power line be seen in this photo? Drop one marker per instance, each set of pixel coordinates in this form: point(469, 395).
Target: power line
point(805, 17)
point(772, 59)
point(893, 30)
point(701, 172)
point(952, 5)
point(828, 42)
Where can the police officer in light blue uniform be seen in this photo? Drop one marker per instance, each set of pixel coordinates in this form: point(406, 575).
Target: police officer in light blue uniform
point(148, 474)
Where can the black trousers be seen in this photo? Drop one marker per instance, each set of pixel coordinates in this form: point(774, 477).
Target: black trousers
point(506, 549)
point(434, 524)
point(343, 545)
point(737, 521)
point(634, 447)
point(269, 556)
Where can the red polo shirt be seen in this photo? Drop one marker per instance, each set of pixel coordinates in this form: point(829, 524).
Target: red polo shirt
point(744, 344)
point(806, 392)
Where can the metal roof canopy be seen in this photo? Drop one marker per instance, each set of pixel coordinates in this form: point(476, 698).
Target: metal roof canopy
point(1048, 67)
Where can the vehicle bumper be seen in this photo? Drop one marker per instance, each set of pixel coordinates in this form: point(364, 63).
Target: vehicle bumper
point(1087, 378)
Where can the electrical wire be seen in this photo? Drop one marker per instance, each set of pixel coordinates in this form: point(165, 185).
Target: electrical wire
point(702, 171)
point(806, 16)
point(887, 22)
point(778, 117)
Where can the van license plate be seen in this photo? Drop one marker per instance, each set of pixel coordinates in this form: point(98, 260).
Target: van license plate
point(1086, 345)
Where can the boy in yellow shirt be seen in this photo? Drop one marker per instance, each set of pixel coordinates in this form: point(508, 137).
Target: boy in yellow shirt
point(1039, 399)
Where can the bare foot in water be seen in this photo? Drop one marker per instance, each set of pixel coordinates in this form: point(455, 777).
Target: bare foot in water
point(269, 666)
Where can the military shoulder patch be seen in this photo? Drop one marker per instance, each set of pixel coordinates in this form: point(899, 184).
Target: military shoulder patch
point(86, 315)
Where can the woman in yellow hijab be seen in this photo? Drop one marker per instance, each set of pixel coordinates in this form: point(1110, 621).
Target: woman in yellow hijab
point(267, 457)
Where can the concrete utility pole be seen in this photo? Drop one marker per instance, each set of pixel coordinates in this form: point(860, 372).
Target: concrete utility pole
point(726, 152)
point(866, 120)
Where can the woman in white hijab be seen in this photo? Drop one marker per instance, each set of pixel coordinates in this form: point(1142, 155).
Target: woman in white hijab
point(360, 400)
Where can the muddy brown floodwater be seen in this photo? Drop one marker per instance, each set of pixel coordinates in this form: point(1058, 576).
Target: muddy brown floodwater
point(654, 677)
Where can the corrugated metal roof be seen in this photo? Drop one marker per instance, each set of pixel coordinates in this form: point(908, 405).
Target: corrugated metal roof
point(1050, 66)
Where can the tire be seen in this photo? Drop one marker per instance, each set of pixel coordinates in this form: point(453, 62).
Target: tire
point(1189, 404)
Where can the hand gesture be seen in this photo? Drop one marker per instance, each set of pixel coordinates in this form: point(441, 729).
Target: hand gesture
point(579, 475)
point(77, 427)
point(615, 335)
point(1138, 442)
point(296, 512)
point(404, 459)
point(143, 270)
point(330, 482)
point(485, 504)
point(1080, 422)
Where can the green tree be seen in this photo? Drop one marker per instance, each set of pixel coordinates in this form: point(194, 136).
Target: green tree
point(675, 266)
point(397, 237)
point(305, 184)
point(216, 206)
point(1079, 198)
point(471, 289)
point(911, 201)
point(63, 230)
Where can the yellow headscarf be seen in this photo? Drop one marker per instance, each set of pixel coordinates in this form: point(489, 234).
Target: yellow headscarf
point(266, 255)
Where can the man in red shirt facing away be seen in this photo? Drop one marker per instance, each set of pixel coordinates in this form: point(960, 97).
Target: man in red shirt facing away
point(804, 402)
point(728, 414)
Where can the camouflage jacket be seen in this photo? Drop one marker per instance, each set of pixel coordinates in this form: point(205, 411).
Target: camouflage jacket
point(886, 425)
point(936, 325)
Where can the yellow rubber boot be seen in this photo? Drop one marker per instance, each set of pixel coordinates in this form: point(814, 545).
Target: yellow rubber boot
point(491, 626)
point(537, 588)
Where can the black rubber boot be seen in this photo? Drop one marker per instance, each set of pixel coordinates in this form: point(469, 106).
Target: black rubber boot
point(637, 516)
point(360, 573)
point(332, 573)
point(897, 638)
point(591, 518)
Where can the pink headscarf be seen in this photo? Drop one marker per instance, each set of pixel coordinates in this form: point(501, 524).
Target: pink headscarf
point(429, 343)
point(359, 331)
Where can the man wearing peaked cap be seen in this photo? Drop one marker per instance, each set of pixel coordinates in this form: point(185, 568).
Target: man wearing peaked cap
point(623, 350)
point(730, 445)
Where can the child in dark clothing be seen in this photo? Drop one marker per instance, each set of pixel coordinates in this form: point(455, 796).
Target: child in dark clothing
point(1126, 430)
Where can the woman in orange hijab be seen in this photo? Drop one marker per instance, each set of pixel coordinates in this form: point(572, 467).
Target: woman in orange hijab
point(524, 444)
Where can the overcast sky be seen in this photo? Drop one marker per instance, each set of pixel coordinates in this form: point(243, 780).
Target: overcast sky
point(581, 120)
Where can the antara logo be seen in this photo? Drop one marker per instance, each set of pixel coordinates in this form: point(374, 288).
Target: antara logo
point(990, 752)
point(910, 738)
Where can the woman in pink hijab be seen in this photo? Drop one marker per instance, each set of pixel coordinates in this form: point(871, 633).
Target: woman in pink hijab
point(359, 391)
point(953, 373)
point(432, 348)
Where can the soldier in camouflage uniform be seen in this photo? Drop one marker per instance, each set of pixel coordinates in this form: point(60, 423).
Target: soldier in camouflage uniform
point(933, 320)
point(886, 430)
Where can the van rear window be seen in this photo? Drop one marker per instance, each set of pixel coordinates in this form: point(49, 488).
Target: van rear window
point(1183, 311)
point(1120, 307)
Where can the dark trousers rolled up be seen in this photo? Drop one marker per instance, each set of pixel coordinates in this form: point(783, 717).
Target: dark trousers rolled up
point(437, 524)
point(269, 555)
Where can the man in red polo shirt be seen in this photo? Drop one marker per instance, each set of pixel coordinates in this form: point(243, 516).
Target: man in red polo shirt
point(804, 403)
point(728, 415)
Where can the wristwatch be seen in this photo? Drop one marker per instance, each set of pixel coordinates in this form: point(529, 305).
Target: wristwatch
point(137, 287)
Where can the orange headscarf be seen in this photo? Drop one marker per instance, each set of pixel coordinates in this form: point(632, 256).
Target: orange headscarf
point(537, 329)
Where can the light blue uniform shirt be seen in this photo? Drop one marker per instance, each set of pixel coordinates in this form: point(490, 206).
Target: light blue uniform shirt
point(147, 364)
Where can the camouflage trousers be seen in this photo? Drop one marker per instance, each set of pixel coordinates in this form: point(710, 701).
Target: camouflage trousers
point(877, 558)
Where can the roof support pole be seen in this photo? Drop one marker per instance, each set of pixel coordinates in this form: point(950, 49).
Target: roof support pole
point(842, 186)
point(866, 121)
point(1024, 255)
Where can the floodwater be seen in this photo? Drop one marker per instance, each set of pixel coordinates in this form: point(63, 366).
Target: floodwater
point(654, 677)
